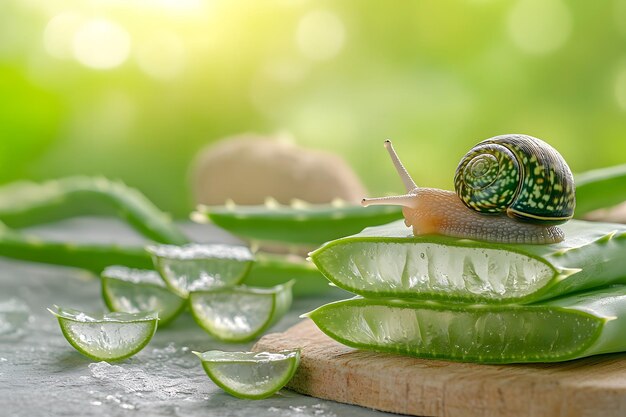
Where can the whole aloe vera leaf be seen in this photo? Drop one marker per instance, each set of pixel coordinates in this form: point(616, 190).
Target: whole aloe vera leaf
point(388, 261)
point(25, 204)
point(298, 224)
point(556, 330)
point(267, 271)
point(91, 257)
point(600, 188)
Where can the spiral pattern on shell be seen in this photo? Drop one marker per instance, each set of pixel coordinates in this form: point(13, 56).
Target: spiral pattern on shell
point(517, 174)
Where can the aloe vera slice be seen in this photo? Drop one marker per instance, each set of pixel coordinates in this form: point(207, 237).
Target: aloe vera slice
point(197, 266)
point(557, 330)
point(298, 224)
point(134, 290)
point(250, 375)
point(240, 314)
point(388, 261)
point(111, 336)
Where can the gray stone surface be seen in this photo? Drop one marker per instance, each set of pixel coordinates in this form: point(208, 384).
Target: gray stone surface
point(42, 375)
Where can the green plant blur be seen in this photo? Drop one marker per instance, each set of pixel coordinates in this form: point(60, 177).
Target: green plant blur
point(132, 89)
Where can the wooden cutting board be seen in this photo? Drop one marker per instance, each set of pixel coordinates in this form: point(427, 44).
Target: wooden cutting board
point(593, 387)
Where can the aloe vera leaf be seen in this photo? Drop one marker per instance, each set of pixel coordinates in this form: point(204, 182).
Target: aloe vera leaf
point(298, 224)
point(556, 330)
point(25, 204)
point(388, 261)
point(600, 188)
point(91, 257)
point(269, 270)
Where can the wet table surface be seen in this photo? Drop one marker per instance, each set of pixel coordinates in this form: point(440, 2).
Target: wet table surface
point(41, 374)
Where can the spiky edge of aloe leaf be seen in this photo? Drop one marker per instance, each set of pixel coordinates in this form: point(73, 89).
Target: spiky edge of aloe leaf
point(606, 306)
point(299, 223)
point(591, 256)
point(600, 188)
point(25, 204)
point(91, 257)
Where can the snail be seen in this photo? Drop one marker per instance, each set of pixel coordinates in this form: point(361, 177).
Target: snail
point(509, 189)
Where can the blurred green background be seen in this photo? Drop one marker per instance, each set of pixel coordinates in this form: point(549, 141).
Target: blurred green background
point(131, 89)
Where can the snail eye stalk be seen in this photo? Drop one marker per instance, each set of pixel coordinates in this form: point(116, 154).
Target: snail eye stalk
point(409, 184)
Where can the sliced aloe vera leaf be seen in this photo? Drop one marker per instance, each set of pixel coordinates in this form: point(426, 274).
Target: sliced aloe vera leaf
point(556, 330)
point(134, 290)
point(298, 224)
point(106, 337)
point(198, 266)
point(250, 375)
point(240, 314)
point(388, 261)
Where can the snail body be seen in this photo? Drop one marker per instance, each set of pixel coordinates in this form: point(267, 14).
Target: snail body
point(509, 189)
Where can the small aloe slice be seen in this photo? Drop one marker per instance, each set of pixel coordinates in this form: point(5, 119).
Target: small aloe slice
point(196, 266)
point(250, 375)
point(240, 314)
point(111, 336)
point(557, 330)
point(134, 290)
point(388, 261)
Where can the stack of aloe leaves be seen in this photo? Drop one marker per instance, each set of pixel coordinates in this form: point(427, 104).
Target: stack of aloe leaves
point(463, 300)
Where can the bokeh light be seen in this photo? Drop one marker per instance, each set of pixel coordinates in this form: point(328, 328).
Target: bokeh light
point(101, 44)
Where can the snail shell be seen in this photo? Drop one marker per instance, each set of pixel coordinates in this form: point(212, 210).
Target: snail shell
point(519, 175)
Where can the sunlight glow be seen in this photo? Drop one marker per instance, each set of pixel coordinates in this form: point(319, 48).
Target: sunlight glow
point(101, 44)
point(320, 35)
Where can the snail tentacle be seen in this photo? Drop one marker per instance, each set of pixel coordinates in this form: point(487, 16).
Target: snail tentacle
point(409, 184)
point(406, 200)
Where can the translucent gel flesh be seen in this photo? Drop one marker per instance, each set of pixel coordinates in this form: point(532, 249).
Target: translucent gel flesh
point(195, 274)
point(510, 334)
point(135, 297)
point(251, 378)
point(426, 267)
point(108, 340)
point(232, 315)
